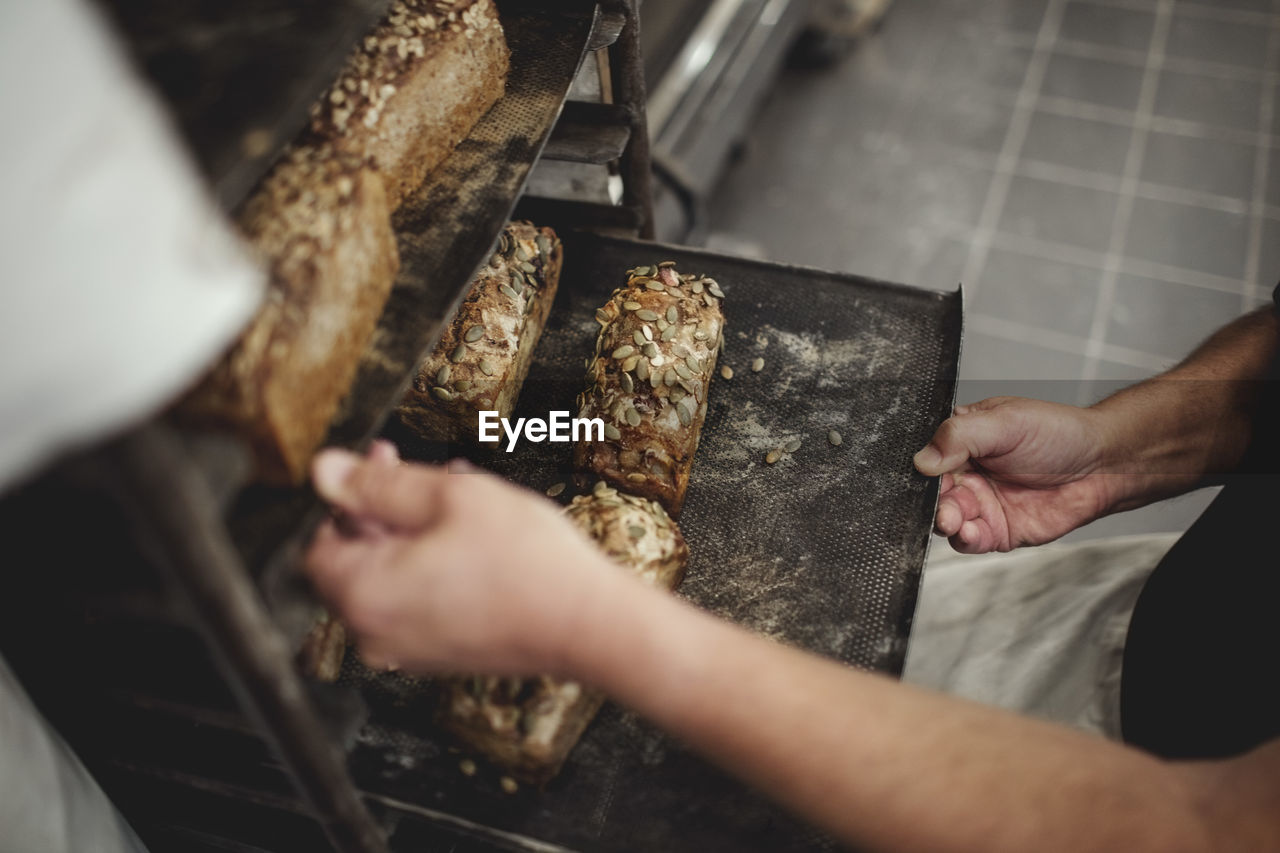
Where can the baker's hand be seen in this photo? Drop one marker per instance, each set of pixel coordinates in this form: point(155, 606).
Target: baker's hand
point(1015, 472)
point(449, 568)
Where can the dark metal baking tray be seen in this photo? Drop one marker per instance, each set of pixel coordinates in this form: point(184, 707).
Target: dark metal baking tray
point(824, 549)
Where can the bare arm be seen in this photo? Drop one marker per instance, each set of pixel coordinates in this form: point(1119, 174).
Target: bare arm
point(879, 764)
point(1023, 472)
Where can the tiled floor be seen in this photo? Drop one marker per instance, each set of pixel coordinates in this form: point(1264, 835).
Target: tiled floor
point(1103, 176)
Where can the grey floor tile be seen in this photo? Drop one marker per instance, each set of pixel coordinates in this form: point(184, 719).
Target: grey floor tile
point(1105, 24)
point(1076, 142)
point(1096, 81)
point(1269, 253)
point(1112, 376)
point(1038, 292)
point(995, 367)
point(1194, 238)
point(1043, 210)
point(1264, 6)
point(1208, 165)
point(1165, 318)
point(971, 59)
point(1227, 42)
point(1272, 193)
point(966, 119)
point(1209, 100)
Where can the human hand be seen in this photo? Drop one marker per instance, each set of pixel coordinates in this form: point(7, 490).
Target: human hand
point(450, 568)
point(1016, 472)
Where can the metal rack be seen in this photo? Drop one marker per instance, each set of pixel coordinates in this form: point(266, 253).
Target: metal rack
point(203, 731)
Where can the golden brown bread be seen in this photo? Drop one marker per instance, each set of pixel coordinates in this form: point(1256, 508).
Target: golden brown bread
point(321, 223)
point(484, 355)
point(655, 354)
point(528, 726)
point(414, 88)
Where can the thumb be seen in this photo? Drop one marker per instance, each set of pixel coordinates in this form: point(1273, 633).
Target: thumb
point(402, 497)
point(971, 435)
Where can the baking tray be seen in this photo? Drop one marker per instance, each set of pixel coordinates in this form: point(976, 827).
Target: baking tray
point(823, 550)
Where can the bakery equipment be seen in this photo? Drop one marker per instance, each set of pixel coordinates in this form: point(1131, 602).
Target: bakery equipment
point(159, 636)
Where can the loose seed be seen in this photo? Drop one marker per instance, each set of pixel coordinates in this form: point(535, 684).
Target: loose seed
point(486, 366)
point(611, 432)
point(443, 393)
point(467, 766)
point(792, 446)
point(726, 372)
point(555, 490)
point(459, 352)
point(835, 438)
point(474, 334)
point(772, 456)
point(757, 365)
point(672, 314)
point(508, 784)
point(623, 351)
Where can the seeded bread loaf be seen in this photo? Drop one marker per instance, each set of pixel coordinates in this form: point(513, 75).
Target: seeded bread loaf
point(320, 222)
point(415, 87)
point(528, 726)
point(484, 355)
point(655, 354)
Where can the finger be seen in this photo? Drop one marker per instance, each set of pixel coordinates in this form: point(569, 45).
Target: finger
point(402, 497)
point(333, 560)
point(973, 435)
point(948, 519)
point(974, 537)
point(383, 451)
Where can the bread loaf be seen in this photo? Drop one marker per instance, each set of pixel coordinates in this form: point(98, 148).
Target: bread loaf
point(414, 88)
point(528, 726)
point(320, 222)
point(655, 355)
point(484, 355)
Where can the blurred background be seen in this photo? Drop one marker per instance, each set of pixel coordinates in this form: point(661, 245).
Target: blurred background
point(1100, 174)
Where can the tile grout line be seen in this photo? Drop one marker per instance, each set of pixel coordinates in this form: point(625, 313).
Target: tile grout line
point(1251, 294)
point(1063, 342)
point(1015, 135)
point(1128, 193)
point(1202, 9)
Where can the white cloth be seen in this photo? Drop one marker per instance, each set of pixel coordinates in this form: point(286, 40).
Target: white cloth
point(1039, 631)
point(121, 280)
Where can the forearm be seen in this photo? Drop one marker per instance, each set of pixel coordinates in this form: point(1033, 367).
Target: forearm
point(879, 764)
point(1191, 424)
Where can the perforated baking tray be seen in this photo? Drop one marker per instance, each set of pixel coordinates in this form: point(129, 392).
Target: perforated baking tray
point(823, 549)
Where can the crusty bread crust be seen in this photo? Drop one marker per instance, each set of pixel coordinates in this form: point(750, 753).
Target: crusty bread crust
point(528, 726)
point(414, 88)
point(320, 222)
point(509, 302)
point(655, 355)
